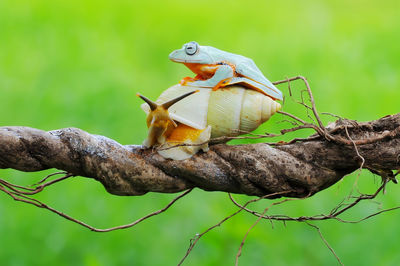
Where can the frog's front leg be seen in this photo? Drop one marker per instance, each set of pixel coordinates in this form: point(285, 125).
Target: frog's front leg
point(221, 77)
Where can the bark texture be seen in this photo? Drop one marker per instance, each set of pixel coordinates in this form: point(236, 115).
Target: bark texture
point(303, 168)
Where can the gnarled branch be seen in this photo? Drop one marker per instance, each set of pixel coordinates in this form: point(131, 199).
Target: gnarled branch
point(303, 167)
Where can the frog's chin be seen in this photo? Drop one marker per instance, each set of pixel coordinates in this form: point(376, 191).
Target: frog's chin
point(185, 61)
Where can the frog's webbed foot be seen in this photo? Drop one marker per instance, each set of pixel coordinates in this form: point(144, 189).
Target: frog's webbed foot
point(186, 80)
point(222, 83)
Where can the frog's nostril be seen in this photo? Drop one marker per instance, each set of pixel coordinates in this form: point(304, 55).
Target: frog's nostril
point(172, 55)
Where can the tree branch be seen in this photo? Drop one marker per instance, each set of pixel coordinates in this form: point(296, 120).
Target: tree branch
point(303, 167)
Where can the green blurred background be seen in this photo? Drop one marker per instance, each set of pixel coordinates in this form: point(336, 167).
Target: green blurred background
point(80, 64)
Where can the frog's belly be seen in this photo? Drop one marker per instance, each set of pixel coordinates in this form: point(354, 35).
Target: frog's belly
point(202, 71)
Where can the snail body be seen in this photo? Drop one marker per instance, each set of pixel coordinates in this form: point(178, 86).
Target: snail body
point(229, 111)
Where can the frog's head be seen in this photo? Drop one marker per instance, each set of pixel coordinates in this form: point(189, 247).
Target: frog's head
point(192, 52)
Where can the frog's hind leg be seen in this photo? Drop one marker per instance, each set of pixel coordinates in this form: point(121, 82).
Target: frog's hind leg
point(251, 84)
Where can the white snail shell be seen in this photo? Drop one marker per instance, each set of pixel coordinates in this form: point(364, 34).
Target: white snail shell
point(226, 112)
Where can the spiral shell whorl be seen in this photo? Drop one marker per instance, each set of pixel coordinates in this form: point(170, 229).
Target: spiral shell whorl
point(269, 107)
point(256, 109)
point(236, 110)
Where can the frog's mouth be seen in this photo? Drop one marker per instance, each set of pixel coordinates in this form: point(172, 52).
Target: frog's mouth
point(185, 61)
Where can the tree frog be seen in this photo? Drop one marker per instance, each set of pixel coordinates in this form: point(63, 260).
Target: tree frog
point(215, 68)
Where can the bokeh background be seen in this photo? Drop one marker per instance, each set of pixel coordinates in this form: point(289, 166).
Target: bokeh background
point(80, 64)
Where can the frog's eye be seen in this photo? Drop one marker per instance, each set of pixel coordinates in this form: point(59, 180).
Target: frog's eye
point(191, 48)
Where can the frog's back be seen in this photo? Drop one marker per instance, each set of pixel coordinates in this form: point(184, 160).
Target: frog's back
point(222, 56)
point(252, 75)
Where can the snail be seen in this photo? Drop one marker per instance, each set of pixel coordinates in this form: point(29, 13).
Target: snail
point(194, 118)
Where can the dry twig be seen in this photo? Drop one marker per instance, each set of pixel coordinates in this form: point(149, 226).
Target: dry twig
point(20, 193)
